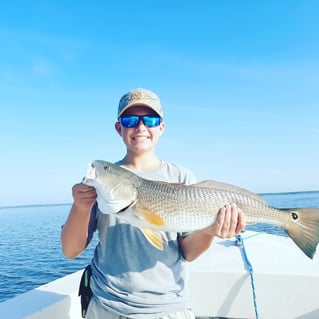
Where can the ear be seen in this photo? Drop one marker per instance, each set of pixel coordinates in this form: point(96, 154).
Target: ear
point(162, 127)
point(118, 128)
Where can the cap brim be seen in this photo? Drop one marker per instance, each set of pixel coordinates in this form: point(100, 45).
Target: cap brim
point(137, 103)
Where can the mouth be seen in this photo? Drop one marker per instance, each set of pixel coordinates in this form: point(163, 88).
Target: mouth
point(140, 138)
point(90, 173)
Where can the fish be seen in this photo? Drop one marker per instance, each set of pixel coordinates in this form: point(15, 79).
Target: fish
point(156, 207)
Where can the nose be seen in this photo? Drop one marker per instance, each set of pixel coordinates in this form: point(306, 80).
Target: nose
point(140, 124)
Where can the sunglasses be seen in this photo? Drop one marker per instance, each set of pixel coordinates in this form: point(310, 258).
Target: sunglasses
point(134, 120)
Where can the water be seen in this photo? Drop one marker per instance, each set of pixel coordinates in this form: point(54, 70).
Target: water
point(30, 251)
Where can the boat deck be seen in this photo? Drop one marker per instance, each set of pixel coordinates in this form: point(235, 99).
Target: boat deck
point(284, 280)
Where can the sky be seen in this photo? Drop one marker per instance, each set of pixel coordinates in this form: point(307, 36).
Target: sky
point(238, 81)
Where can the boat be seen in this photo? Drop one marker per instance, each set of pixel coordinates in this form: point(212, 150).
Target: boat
point(256, 275)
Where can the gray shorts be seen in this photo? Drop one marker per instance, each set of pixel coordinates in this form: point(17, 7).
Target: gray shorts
point(95, 311)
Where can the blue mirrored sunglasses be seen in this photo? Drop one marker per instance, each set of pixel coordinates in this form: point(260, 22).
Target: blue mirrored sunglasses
point(134, 120)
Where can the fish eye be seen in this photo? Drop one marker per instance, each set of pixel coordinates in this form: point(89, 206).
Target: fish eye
point(106, 167)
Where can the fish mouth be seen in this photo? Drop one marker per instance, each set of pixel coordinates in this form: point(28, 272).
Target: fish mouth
point(90, 173)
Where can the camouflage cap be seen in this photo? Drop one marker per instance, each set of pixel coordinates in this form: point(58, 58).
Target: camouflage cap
point(140, 96)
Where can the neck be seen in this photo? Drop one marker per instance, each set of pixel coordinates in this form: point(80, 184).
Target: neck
point(143, 162)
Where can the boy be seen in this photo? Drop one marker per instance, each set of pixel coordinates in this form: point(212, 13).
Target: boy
point(131, 278)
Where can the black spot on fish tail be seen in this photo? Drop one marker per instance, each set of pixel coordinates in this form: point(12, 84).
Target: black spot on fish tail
point(294, 216)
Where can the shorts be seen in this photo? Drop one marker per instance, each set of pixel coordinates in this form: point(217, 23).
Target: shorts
point(95, 311)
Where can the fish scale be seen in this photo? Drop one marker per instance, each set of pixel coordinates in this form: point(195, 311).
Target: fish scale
point(190, 208)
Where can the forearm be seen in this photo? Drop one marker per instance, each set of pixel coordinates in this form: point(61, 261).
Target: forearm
point(195, 244)
point(74, 233)
point(230, 222)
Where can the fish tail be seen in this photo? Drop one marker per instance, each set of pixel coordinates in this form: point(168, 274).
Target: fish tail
point(304, 229)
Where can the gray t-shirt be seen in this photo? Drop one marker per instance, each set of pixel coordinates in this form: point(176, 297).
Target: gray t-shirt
point(132, 278)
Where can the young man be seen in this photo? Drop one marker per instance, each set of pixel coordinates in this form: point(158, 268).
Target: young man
point(130, 277)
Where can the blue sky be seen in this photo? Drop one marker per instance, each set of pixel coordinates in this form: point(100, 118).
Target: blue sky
point(238, 80)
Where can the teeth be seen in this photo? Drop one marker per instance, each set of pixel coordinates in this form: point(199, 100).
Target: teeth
point(140, 137)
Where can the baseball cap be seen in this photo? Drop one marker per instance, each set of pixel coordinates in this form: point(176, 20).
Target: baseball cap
point(140, 96)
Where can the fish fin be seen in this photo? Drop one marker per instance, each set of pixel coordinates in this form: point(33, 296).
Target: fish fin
point(304, 229)
point(151, 217)
point(164, 237)
point(229, 188)
point(154, 237)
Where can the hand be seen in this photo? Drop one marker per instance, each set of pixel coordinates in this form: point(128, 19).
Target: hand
point(230, 222)
point(84, 196)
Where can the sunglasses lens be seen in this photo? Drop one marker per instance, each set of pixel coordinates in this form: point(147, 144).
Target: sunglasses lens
point(151, 121)
point(130, 121)
point(134, 120)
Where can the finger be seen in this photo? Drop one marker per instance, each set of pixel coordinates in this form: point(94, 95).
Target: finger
point(227, 222)
point(88, 194)
point(84, 196)
point(85, 188)
point(86, 199)
point(233, 220)
point(81, 188)
point(218, 225)
point(241, 224)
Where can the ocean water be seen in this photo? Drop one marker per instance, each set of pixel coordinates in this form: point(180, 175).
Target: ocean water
point(30, 250)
